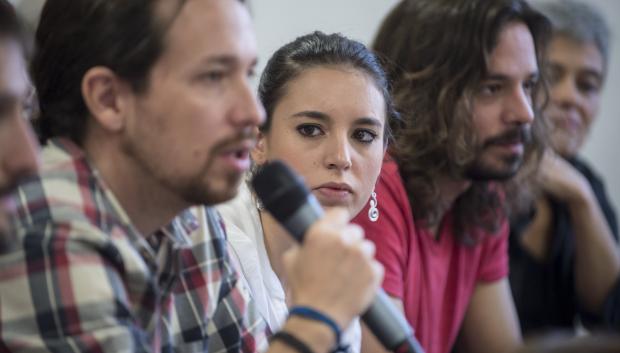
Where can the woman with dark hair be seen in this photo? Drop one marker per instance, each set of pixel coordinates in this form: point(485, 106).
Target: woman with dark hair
point(466, 80)
point(564, 257)
point(328, 109)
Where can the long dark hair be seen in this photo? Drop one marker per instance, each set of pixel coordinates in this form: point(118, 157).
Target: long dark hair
point(436, 54)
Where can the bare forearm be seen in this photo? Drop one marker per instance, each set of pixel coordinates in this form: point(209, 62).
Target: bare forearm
point(597, 261)
point(490, 323)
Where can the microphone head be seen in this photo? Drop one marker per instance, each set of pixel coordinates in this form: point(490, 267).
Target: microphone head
point(279, 189)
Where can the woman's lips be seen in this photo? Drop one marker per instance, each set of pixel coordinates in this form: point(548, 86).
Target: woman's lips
point(333, 193)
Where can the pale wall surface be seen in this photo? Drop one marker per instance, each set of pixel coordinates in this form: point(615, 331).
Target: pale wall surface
point(280, 21)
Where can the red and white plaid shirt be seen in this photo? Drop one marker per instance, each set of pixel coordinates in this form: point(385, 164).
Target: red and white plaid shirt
point(83, 279)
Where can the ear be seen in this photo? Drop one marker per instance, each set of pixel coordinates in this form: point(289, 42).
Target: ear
point(259, 152)
point(104, 93)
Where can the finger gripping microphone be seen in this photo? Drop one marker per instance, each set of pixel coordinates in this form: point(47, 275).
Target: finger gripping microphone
point(289, 201)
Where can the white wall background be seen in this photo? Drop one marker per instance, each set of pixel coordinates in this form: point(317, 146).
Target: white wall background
point(280, 21)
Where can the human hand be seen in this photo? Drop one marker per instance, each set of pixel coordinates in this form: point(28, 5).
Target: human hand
point(334, 270)
point(561, 180)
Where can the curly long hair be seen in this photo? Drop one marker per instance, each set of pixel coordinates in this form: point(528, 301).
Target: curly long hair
point(436, 54)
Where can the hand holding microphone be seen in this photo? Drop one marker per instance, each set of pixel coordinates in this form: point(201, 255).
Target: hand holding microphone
point(334, 270)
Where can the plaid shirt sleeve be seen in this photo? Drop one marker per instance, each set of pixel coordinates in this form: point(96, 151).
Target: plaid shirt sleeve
point(61, 292)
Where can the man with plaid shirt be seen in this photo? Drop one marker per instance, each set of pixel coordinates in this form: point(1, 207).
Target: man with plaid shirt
point(147, 110)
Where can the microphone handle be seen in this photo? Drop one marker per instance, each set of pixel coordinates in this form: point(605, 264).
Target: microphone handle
point(383, 319)
point(389, 325)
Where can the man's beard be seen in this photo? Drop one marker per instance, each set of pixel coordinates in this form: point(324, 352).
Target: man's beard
point(479, 170)
point(204, 193)
point(200, 190)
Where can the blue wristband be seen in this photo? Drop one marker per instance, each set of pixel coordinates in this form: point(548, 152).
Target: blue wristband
point(312, 314)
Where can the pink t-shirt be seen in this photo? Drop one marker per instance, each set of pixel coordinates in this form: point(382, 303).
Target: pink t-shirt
point(434, 278)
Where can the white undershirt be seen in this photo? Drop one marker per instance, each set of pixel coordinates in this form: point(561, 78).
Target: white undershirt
point(247, 244)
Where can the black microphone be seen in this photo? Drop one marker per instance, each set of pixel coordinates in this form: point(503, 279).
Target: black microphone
point(286, 197)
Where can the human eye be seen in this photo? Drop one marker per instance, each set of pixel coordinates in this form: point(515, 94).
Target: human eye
point(251, 73)
point(251, 76)
point(28, 109)
point(490, 88)
point(588, 86)
point(213, 76)
point(365, 136)
point(29, 105)
point(309, 130)
point(529, 85)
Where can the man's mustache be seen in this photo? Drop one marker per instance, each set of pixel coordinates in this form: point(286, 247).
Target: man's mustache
point(520, 134)
point(244, 135)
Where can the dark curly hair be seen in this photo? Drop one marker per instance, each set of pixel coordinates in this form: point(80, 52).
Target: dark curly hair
point(436, 53)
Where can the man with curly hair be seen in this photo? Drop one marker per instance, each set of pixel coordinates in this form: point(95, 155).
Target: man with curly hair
point(469, 100)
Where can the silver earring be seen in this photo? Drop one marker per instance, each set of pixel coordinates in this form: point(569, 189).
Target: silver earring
point(259, 205)
point(373, 211)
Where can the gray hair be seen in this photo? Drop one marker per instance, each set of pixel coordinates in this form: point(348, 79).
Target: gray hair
point(578, 21)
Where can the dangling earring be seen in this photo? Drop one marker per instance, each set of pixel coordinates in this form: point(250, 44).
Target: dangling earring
point(373, 211)
point(259, 205)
